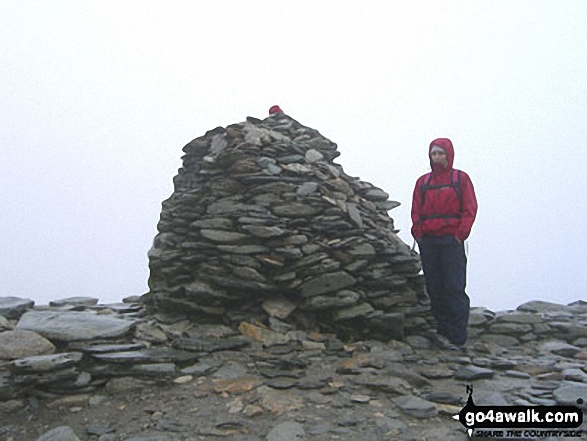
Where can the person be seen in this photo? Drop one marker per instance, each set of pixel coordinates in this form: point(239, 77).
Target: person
point(444, 207)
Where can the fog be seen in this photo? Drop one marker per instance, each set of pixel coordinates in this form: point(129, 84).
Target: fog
point(98, 98)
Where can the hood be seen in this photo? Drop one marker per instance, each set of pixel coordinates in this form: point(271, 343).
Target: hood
point(446, 145)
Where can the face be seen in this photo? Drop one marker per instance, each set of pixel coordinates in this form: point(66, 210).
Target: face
point(438, 157)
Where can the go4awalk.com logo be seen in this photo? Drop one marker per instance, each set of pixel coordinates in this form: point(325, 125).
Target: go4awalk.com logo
point(521, 421)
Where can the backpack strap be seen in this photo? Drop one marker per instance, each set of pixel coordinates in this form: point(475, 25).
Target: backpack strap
point(426, 186)
point(456, 179)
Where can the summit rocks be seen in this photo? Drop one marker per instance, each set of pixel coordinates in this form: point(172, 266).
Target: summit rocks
point(260, 211)
point(173, 379)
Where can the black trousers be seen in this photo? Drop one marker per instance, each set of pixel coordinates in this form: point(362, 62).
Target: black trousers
point(445, 268)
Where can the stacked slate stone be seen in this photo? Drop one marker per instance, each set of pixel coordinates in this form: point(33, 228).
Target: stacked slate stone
point(263, 224)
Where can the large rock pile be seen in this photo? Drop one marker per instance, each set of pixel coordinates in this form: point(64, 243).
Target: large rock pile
point(263, 224)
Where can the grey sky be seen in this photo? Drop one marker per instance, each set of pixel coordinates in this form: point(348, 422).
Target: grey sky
point(98, 98)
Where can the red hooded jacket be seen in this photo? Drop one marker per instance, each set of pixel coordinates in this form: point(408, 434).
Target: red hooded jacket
point(443, 201)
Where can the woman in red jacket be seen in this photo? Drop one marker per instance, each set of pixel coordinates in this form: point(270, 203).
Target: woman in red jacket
point(444, 207)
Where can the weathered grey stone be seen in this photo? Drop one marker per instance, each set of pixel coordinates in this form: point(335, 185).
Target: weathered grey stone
point(215, 223)
point(286, 431)
point(155, 355)
point(4, 323)
point(375, 195)
point(203, 367)
point(569, 394)
point(307, 188)
point(126, 385)
point(73, 326)
point(296, 209)
point(480, 316)
point(500, 340)
point(203, 344)
point(244, 249)
point(443, 397)
point(279, 307)
point(490, 398)
point(223, 236)
point(416, 406)
point(545, 307)
point(289, 159)
point(559, 348)
point(517, 374)
point(572, 331)
point(106, 348)
point(510, 328)
point(154, 369)
point(526, 318)
point(327, 283)
point(74, 301)
point(313, 156)
point(363, 250)
point(340, 299)
point(14, 307)
point(61, 433)
point(472, 373)
point(45, 363)
point(264, 232)
point(20, 344)
point(362, 310)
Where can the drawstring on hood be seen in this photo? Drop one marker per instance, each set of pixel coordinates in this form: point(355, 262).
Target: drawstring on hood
point(446, 145)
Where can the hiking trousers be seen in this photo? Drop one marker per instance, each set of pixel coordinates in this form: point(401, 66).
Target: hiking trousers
point(445, 269)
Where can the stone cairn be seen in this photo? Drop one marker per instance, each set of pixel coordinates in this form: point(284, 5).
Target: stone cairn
point(263, 226)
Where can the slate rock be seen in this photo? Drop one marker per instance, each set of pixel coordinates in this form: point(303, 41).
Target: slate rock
point(544, 307)
point(74, 326)
point(204, 367)
point(489, 398)
point(61, 433)
point(45, 363)
point(569, 392)
point(471, 373)
point(327, 283)
point(14, 307)
point(153, 355)
point(74, 301)
point(286, 431)
point(20, 344)
point(559, 348)
point(416, 406)
point(510, 328)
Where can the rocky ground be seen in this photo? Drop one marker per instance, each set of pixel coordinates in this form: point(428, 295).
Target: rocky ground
point(167, 381)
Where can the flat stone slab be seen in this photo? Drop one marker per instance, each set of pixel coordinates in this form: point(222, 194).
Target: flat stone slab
point(210, 344)
point(74, 326)
point(569, 392)
point(20, 343)
point(62, 433)
point(416, 406)
point(103, 349)
point(559, 348)
point(473, 373)
point(203, 368)
point(327, 283)
point(162, 355)
point(75, 301)
point(545, 307)
point(286, 431)
point(45, 363)
point(14, 307)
